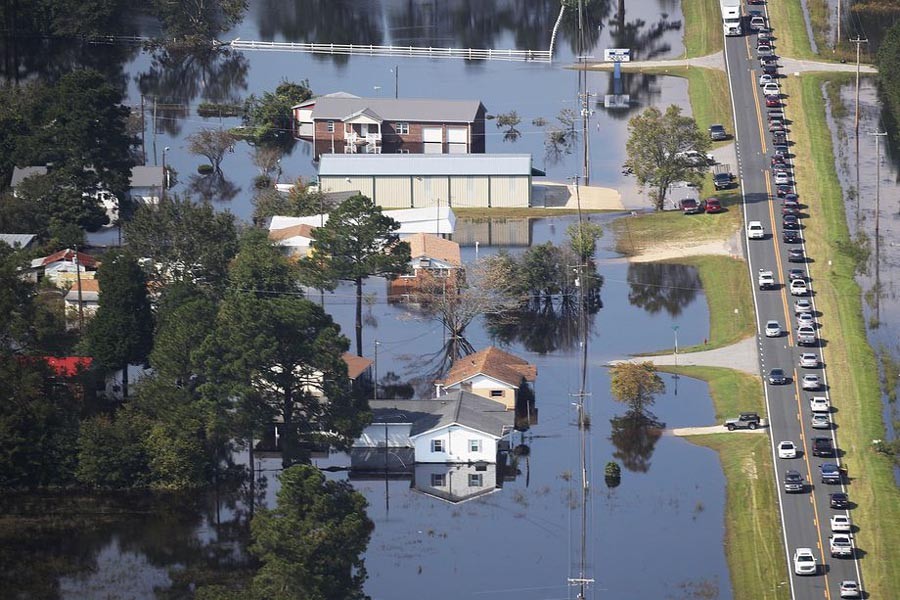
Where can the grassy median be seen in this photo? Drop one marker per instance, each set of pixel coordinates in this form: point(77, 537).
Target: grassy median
point(753, 548)
point(791, 37)
point(851, 360)
point(702, 27)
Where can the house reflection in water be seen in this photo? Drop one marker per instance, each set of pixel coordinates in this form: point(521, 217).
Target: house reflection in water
point(456, 483)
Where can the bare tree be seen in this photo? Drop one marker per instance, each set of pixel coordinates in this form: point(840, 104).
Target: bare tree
point(267, 159)
point(213, 144)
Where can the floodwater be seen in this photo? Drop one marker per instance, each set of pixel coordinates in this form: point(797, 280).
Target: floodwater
point(880, 281)
point(522, 540)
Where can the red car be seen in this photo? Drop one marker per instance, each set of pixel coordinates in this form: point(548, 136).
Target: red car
point(713, 205)
point(773, 101)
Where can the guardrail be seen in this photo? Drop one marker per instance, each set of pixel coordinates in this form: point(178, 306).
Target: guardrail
point(542, 56)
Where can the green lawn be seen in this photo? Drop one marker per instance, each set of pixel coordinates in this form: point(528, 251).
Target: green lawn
point(791, 38)
point(702, 27)
point(851, 361)
point(732, 391)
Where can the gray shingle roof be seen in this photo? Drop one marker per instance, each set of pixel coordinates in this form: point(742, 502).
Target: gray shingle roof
point(402, 109)
point(22, 240)
point(20, 174)
point(348, 165)
point(146, 176)
point(462, 408)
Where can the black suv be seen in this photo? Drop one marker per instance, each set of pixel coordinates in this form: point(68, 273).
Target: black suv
point(777, 377)
point(717, 133)
point(722, 181)
point(822, 446)
point(790, 236)
point(793, 481)
point(839, 500)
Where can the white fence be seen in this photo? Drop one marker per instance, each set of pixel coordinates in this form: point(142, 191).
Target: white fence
point(542, 56)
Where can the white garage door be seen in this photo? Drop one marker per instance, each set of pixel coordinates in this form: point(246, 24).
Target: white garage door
point(432, 134)
point(457, 135)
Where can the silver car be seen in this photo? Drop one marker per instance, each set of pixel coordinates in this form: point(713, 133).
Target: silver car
point(811, 382)
point(820, 421)
point(809, 360)
point(802, 305)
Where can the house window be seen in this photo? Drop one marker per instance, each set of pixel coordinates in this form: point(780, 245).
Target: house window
point(437, 445)
point(402, 128)
point(474, 445)
point(475, 480)
point(496, 393)
point(438, 479)
point(329, 127)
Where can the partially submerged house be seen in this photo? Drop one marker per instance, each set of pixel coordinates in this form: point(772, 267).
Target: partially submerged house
point(458, 427)
point(490, 373)
point(343, 123)
point(294, 240)
point(434, 263)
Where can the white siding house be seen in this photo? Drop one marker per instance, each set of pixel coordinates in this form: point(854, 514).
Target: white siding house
point(455, 444)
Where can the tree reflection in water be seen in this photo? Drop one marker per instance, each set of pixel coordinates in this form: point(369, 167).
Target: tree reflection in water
point(212, 188)
point(662, 286)
point(634, 435)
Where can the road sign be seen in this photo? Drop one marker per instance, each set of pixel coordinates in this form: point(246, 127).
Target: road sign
point(617, 55)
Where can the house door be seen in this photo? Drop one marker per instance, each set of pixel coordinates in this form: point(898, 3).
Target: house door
point(433, 139)
point(458, 140)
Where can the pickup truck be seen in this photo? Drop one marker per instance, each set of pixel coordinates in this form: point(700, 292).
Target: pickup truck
point(748, 420)
point(830, 472)
point(840, 545)
point(766, 279)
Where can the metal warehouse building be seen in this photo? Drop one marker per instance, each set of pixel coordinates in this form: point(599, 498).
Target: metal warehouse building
point(424, 180)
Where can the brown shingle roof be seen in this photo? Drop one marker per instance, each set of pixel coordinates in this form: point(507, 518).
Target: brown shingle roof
point(86, 260)
point(493, 362)
point(432, 246)
point(87, 285)
point(278, 235)
point(356, 365)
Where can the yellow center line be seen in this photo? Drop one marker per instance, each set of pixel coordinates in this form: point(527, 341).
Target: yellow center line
point(780, 275)
point(762, 132)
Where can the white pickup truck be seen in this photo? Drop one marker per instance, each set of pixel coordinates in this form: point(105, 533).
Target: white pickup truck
point(840, 545)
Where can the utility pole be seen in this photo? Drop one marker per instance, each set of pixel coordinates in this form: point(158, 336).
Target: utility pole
point(80, 303)
point(143, 133)
point(837, 40)
point(154, 130)
point(878, 135)
point(858, 41)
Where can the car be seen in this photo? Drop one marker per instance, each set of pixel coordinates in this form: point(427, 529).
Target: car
point(756, 1)
point(806, 336)
point(773, 100)
point(722, 181)
point(782, 190)
point(776, 126)
point(695, 158)
point(850, 589)
point(766, 279)
point(819, 404)
point(840, 545)
point(770, 68)
point(802, 305)
point(790, 236)
point(805, 562)
point(712, 205)
point(717, 132)
point(798, 288)
point(757, 22)
point(806, 320)
point(793, 482)
point(779, 138)
point(755, 230)
point(782, 177)
point(779, 161)
point(839, 500)
point(795, 254)
point(764, 79)
point(689, 206)
point(791, 197)
point(772, 89)
point(745, 420)
point(790, 207)
point(777, 377)
point(822, 446)
point(773, 329)
point(820, 421)
point(790, 222)
point(796, 274)
point(810, 382)
point(830, 473)
point(787, 449)
point(809, 360)
point(781, 150)
point(766, 37)
point(841, 524)
point(764, 50)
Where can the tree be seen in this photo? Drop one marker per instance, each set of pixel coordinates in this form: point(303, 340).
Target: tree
point(199, 20)
point(271, 116)
point(54, 203)
point(356, 243)
point(121, 333)
point(311, 544)
point(888, 62)
point(187, 241)
point(111, 453)
point(282, 355)
point(213, 144)
point(260, 267)
point(655, 147)
point(180, 332)
point(636, 385)
point(583, 238)
point(299, 202)
point(16, 296)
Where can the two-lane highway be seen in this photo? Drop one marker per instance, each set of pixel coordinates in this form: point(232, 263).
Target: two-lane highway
point(806, 515)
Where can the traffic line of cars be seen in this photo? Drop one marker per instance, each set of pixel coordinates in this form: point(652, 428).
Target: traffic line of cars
point(840, 542)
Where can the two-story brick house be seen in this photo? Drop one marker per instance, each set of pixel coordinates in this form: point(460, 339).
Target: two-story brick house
point(343, 123)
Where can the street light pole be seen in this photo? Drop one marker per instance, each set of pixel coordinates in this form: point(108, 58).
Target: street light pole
point(878, 135)
point(165, 172)
point(675, 329)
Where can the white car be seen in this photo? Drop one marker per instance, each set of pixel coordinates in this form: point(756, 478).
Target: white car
point(806, 336)
point(766, 78)
point(782, 178)
point(810, 382)
point(809, 360)
point(763, 50)
point(850, 589)
point(771, 89)
point(840, 544)
point(787, 449)
point(820, 421)
point(802, 305)
point(819, 404)
point(806, 319)
point(805, 562)
point(798, 288)
point(841, 524)
point(773, 329)
point(755, 230)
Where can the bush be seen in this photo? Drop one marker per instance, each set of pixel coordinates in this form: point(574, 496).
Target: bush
point(205, 169)
point(262, 182)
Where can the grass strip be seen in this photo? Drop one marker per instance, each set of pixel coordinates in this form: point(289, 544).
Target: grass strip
point(851, 360)
point(791, 38)
point(518, 213)
point(702, 27)
point(754, 550)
